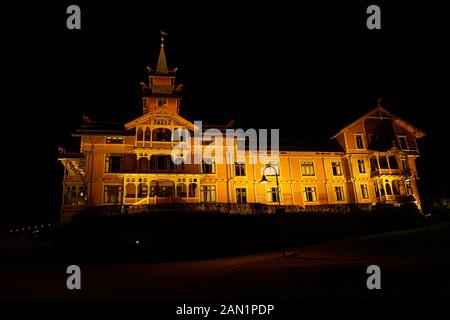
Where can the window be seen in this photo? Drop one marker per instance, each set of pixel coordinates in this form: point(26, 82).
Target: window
point(161, 163)
point(393, 164)
point(82, 196)
point(140, 135)
point(307, 168)
point(309, 194)
point(147, 134)
point(272, 195)
point(162, 103)
point(239, 169)
point(377, 191)
point(208, 193)
point(364, 191)
point(405, 165)
point(373, 141)
point(113, 164)
point(192, 190)
point(112, 194)
point(361, 166)
point(181, 190)
point(131, 190)
point(142, 190)
point(241, 195)
point(359, 141)
point(70, 196)
point(162, 188)
point(208, 166)
point(162, 134)
point(114, 140)
point(388, 188)
point(339, 192)
point(273, 170)
point(336, 167)
point(383, 162)
point(373, 164)
point(403, 142)
point(408, 187)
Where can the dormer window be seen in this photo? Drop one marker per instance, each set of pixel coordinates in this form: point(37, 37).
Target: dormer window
point(359, 141)
point(162, 103)
point(114, 140)
point(402, 142)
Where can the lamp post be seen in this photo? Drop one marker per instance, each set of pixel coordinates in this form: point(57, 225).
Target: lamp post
point(280, 210)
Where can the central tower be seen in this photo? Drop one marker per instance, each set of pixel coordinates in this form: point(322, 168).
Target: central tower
point(161, 92)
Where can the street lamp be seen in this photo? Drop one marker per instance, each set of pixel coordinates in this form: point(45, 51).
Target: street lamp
point(280, 210)
point(265, 181)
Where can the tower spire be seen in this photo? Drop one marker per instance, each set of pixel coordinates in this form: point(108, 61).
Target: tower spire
point(161, 68)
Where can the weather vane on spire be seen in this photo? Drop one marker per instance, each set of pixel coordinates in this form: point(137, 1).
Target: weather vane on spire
point(162, 37)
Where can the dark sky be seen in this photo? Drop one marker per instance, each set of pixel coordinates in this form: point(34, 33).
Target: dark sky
point(306, 69)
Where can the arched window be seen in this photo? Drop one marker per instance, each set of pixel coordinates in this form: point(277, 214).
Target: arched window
point(396, 187)
point(142, 190)
point(147, 134)
point(192, 190)
point(140, 135)
point(181, 190)
point(388, 189)
point(143, 165)
point(130, 190)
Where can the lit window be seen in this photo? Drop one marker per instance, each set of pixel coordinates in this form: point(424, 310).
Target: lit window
point(272, 195)
point(208, 193)
point(361, 166)
point(336, 167)
point(241, 195)
point(273, 170)
point(364, 191)
point(208, 166)
point(142, 190)
point(162, 103)
point(112, 194)
point(309, 194)
point(307, 168)
point(339, 192)
point(114, 140)
point(239, 169)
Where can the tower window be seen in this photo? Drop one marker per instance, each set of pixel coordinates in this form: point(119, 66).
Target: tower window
point(162, 103)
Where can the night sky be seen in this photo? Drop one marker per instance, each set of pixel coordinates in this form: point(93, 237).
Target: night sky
point(307, 69)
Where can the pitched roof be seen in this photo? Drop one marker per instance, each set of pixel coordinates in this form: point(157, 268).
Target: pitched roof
point(380, 112)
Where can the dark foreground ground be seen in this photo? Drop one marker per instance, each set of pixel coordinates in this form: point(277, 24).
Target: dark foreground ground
point(415, 264)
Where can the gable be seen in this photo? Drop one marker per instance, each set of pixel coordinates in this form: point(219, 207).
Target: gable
point(380, 113)
point(159, 117)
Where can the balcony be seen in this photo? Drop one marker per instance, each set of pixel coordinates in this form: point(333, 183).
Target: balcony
point(381, 172)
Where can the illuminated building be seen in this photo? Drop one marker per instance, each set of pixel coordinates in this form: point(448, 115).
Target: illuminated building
point(130, 164)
